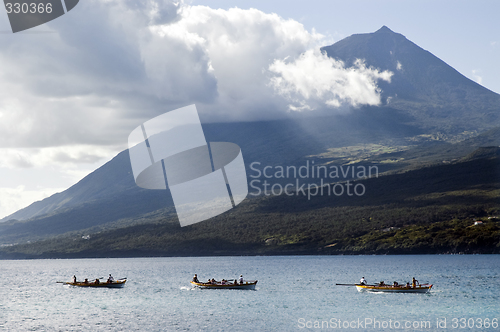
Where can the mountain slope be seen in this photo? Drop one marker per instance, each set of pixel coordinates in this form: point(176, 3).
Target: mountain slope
point(426, 87)
point(429, 210)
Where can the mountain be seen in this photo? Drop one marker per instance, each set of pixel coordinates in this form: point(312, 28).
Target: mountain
point(431, 114)
point(427, 210)
point(95, 204)
point(279, 142)
point(427, 88)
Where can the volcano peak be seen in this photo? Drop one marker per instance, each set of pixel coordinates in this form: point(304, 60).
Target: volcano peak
point(384, 29)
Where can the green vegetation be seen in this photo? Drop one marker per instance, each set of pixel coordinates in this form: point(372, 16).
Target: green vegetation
point(429, 210)
point(454, 236)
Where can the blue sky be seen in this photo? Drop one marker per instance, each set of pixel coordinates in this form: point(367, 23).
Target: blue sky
point(72, 90)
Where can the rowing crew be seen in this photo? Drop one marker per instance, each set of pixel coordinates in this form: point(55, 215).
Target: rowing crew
point(97, 281)
point(414, 283)
point(222, 282)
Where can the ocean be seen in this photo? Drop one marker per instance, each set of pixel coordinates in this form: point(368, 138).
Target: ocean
point(294, 293)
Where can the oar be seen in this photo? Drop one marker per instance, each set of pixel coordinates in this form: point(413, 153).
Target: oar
point(60, 282)
point(345, 284)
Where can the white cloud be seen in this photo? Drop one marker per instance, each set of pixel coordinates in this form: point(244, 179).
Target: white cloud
point(315, 79)
point(476, 76)
point(14, 199)
point(238, 46)
point(112, 64)
point(399, 66)
point(50, 156)
point(87, 83)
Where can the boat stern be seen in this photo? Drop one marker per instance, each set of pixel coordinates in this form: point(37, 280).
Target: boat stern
point(361, 288)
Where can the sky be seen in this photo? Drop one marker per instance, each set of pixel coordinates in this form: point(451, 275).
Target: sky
point(73, 89)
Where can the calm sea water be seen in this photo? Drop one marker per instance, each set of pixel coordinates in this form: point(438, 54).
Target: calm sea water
point(293, 293)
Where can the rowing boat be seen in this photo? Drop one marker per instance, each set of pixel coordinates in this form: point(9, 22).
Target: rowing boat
point(113, 284)
point(245, 285)
point(424, 288)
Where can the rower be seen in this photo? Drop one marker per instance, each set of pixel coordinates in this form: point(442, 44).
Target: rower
point(110, 279)
point(74, 279)
point(414, 282)
point(363, 281)
point(195, 278)
point(241, 279)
